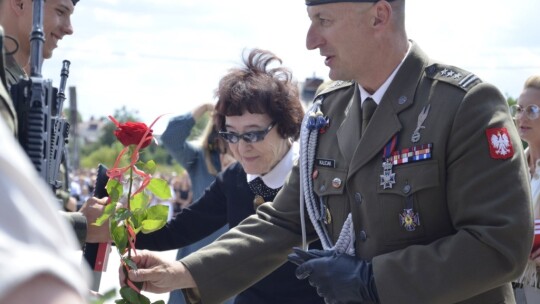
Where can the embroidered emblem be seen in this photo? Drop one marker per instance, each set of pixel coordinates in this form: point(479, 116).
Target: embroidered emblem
point(419, 125)
point(500, 146)
point(409, 219)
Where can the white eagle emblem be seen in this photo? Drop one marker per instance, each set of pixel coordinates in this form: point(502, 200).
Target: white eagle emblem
point(500, 143)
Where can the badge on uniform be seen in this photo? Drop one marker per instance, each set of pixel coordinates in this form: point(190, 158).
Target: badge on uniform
point(317, 121)
point(409, 219)
point(391, 157)
point(500, 146)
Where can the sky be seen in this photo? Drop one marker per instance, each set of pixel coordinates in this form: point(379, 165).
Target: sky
point(166, 56)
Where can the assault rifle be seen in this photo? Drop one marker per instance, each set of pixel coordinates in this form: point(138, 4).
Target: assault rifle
point(43, 132)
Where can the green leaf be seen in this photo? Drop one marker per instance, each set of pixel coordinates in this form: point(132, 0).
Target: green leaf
point(120, 237)
point(149, 226)
point(122, 214)
point(139, 201)
point(160, 188)
point(148, 167)
point(132, 296)
point(115, 190)
point(138, 216)
point(156, 218)
point(109, 210)
point(130, 263)
point(121, 301)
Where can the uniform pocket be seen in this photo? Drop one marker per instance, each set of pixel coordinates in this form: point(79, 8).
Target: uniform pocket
point(403, 205)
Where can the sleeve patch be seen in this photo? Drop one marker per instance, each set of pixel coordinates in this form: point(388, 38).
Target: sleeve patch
point(500, 146)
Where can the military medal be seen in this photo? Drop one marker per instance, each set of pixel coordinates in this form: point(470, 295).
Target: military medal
point(388, 178)
point(408, 218)
point(419, 125)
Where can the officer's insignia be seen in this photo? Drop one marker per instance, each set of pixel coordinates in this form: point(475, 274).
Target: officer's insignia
point(409, 219)
point(500, 146)
point(453, 75)
point(420, 124)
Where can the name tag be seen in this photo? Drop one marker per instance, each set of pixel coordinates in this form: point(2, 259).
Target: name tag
point(328, 163)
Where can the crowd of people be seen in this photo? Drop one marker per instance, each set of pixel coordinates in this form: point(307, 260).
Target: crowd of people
point(406, 178)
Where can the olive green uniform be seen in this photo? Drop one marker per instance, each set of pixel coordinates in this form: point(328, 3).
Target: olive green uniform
point(472, 205)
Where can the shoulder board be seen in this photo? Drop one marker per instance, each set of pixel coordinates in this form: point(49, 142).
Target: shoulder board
point(452, 75)
point(333, 86)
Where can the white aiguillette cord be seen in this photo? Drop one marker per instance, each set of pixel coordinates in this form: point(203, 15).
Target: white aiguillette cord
point(308, 145)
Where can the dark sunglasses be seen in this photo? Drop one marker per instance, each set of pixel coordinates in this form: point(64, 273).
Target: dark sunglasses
point(249, 137)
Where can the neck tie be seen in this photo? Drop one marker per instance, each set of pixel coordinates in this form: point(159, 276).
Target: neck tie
point(368, 108)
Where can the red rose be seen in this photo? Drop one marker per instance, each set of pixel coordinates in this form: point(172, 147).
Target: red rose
point(131, 133)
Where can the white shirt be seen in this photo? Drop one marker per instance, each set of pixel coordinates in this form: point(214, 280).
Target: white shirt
point(277, 176)
point(378, 95)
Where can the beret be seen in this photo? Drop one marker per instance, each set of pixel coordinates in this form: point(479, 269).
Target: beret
point(317, 2)
point(74, 2)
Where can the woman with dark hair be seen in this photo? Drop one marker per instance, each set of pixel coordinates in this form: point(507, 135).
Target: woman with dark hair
point(259, 114)
point(203, 159)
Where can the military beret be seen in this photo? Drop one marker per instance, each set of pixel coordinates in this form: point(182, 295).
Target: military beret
point(317, 2)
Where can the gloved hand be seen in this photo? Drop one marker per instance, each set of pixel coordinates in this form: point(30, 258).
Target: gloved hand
point(338, 278)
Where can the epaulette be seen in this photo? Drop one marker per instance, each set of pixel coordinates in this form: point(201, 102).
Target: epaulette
point(452, 75)
point(334, 85)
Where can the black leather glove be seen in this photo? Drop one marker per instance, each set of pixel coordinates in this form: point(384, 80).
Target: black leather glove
point(338, 278)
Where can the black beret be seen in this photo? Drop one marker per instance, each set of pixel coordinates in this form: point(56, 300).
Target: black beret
point(74, 2)
point(317, 2)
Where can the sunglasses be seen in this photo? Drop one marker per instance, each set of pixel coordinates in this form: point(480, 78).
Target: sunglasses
point(249, 137)
point(531, 111)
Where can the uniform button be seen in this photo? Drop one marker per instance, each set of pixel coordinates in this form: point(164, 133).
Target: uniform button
point(363, 236)
point(406, 189)
point(358, 198)
point(322, 188)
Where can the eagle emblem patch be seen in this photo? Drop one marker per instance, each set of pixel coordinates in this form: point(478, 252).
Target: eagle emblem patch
point(500, 146)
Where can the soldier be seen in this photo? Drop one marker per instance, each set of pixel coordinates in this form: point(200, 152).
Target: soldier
point(16, 18)
point(411, 173)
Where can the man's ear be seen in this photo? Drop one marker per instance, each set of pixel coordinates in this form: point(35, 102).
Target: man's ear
point(18, 6)
point(383, 13)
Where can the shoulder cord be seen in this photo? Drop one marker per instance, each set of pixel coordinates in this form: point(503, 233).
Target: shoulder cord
point(308, 146)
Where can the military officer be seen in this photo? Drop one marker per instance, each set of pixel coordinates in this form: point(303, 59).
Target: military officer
point(411, 175)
